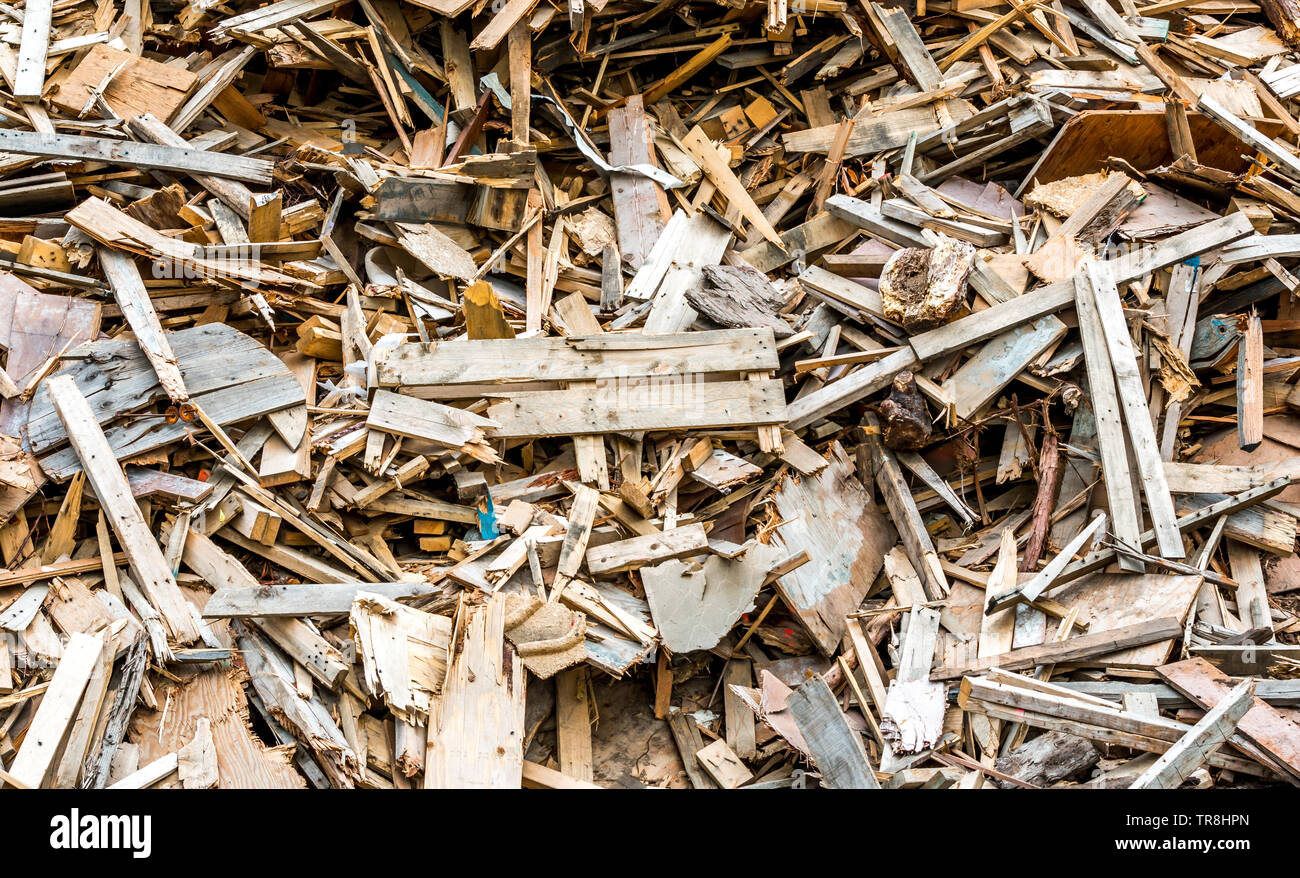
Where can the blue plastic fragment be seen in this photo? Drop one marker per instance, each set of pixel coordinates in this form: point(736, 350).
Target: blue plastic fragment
point(487, 519)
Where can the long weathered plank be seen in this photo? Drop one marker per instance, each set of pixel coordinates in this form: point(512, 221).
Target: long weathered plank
point(1076, 649)
point(501, 361)
point(834, 746)
point(149, 156)
point(623, 407)
point(137, 539)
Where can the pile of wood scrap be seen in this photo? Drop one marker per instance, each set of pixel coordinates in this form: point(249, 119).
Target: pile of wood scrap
point(619, 393)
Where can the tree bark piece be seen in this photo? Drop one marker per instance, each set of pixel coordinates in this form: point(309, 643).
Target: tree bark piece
point(924, 289)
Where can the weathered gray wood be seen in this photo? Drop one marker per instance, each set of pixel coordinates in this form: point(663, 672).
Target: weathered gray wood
point(232, 193)
point(1125, 512)
point(1263, 725)
point(1076, 649)
point(1177, 763)
point(149, 156)
point(834, 746)
point(1137, 416)
point(997, 364)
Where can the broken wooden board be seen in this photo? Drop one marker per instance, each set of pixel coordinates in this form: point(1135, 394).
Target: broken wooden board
point(833, 518)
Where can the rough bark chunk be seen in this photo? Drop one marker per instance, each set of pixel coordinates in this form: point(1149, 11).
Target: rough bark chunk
point(738, 297)
point(907, 421)
point(923, 289)
point(1048, 758)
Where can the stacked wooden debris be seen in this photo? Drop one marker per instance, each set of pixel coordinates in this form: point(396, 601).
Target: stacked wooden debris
point(629, 393)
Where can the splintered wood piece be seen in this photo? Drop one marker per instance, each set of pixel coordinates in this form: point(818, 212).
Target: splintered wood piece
point(724, 766)
point(1250, 385)
point(476, 733)
point(835, 748)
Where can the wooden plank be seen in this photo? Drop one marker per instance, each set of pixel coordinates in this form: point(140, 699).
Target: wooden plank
point(1250, 135)
point(724, 766)
point(305, 599)
point(904, 515)
point(1177, 763)
point(421, 419)
point(688, 405)
point(997, 319)
point(1252, 595)
point(29, 76)
point(500, 361)
point(1122, 501)
point(638, 203)
point(1137, 416)
point(151, 569)
point(998, 363)
point(582, 515)
point(137, 308)
point(539, 777)
point(476, 735)
point(1250, 385)
point(504, 20)
point(137, 155)
point(825, 401)
point(689, 742)
point(1202, 515)
point(834, 746)
point(1075, 650)
point(573, 723)
point(642, 551)
point(703, 151)
point(58, 707)
point(739, 719)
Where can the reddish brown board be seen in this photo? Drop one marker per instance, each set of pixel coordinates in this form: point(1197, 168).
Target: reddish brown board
point(1083, 144)
point(1205, 684)
point(33, 327)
